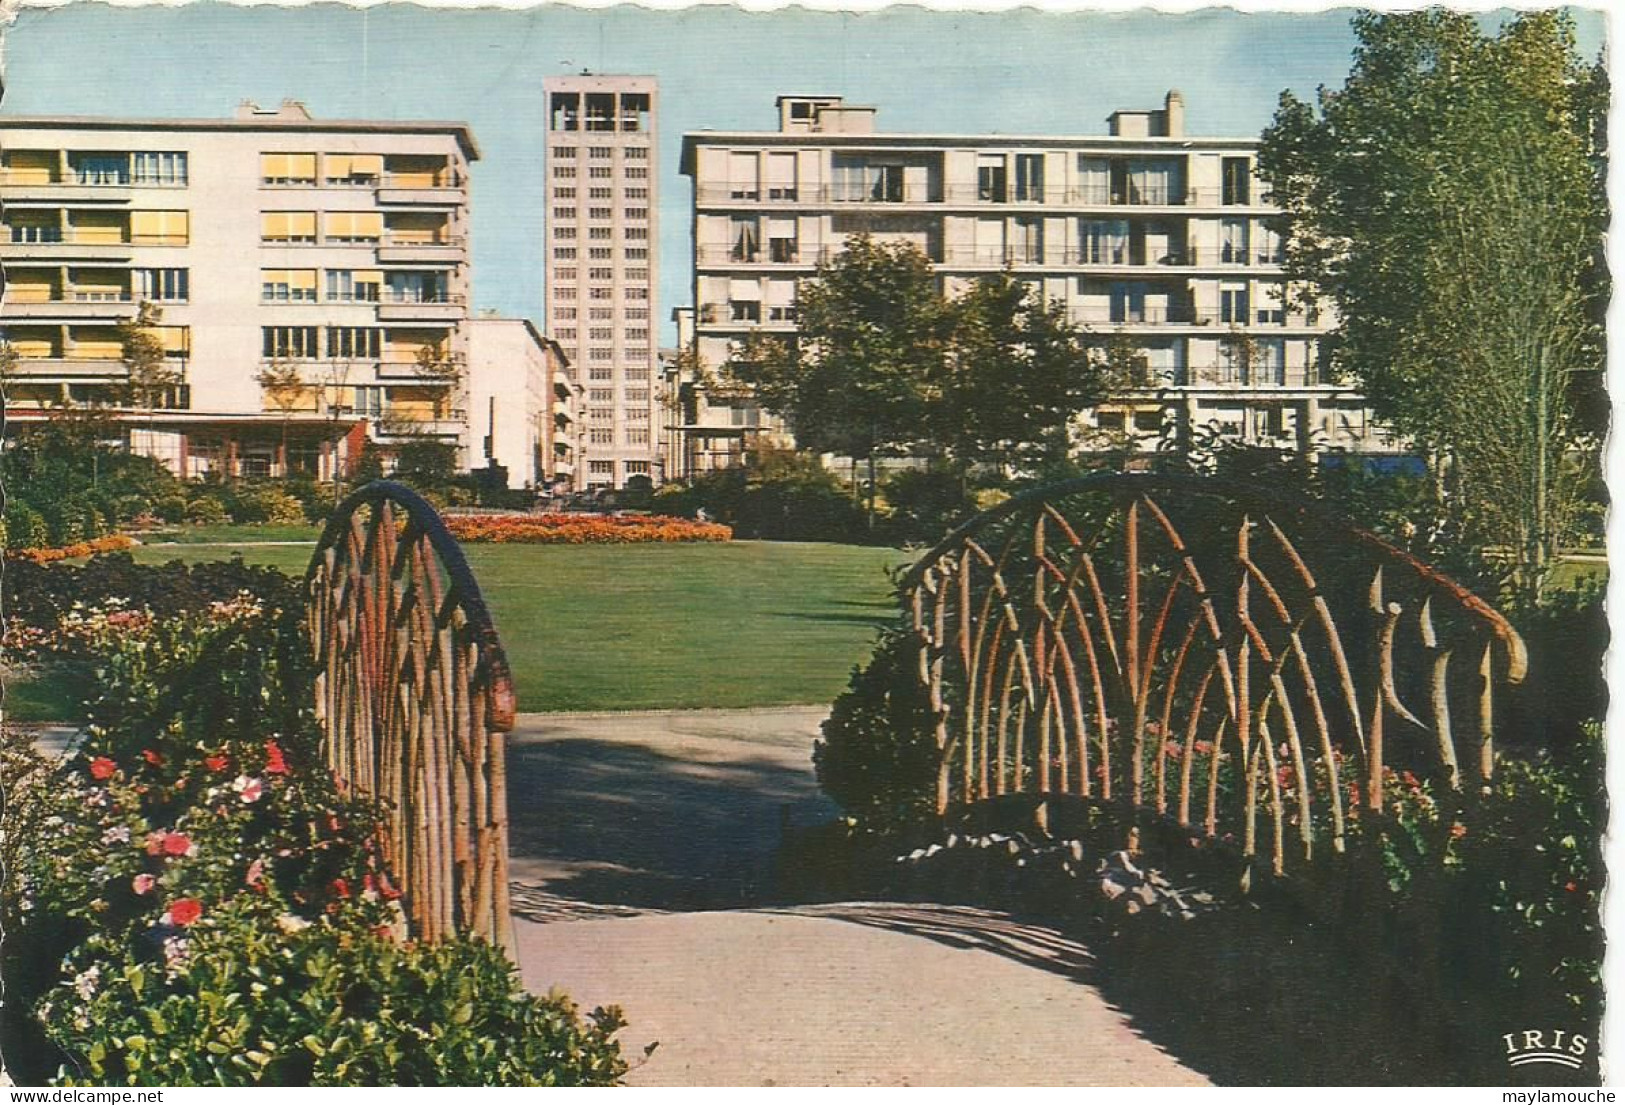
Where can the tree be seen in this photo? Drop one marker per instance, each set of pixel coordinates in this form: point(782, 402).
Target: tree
point(148, 375)
point(857, 379)
point(285, 389)
point(1449, 201)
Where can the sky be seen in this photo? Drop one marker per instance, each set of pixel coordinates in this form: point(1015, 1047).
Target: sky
point(720, 68)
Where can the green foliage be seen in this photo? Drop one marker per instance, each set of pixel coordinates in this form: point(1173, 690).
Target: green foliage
point(206, 510)
point(780, 496)
point(25, 527)
point(1448, 201)
point(925, 503)
point(328, 1003)
point(877, 758)
point(65, 472)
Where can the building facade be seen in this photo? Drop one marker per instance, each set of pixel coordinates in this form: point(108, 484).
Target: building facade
point(602, 260)
point(520, 404)
point(1147, 235)
point(307, 281)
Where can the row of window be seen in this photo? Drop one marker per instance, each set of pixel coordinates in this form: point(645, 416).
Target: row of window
point(602, 233)
point(604, 374)
point(607, 395)
point(353, 228)
point(601, 153)
point(600, 293)
point(630, 192)
point(603, 333)
point(569, 273)
point(604, 253)
point(360, 170)
point(98, 285)
point(147, 168)
point(570, 214)
point(602, 172)
point(601, 353)
point(171, 168)
point(629, 436)
point(343, 342)
point(607, 414)
point(354, 286)
point(603, 314)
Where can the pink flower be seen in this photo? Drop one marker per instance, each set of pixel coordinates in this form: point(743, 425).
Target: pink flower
point(249, 790)
point(156, 759)
point(102, 768)
point(185, 911)
point(256, 873)
point(142, 883)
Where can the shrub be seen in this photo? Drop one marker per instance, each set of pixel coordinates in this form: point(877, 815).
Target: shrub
point(265, 503)
point(257, 999)
point(25, 527)
point(926, 503)
point(581, 529)
point(206, 510)
point(877, 757)
point(782, 496)
point(171, 508)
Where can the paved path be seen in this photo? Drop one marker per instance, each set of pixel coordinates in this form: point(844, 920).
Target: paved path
point(642, 848)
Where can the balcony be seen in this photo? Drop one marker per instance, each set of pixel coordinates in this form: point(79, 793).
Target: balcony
point(64, 242)
point(392, 426)
point(411, 189)
point(446, 308)
point(79, 370)
point(399, 248)
point(73, 307)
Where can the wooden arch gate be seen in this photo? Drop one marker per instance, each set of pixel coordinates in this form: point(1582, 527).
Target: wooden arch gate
point(1239, 661)
point(415, 695)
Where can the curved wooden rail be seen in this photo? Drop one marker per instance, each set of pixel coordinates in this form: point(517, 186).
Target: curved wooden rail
point(414, 692)
point(1221, 654)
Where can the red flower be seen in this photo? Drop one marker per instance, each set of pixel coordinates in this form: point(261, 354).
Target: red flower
point(185, 911)
point(1457, 831)
point(176, 844)
point(274, 763)
point(1571, 887)
point(156, 759)
point(383, 932)
point(102, 768)
point(341, 888)
point(216, 763)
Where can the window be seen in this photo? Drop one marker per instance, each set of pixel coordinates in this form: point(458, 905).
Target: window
point(637, 333)
point(600, 274)
point(637, 214)
point(637, 253)
point(568, 334)
point(636, 153)
point(566, 152)
point(288, 227)
point(600, 374)
point(745, 240)
point(780, 171)
point(161, 285)
point(34, 226)
point(1027, 241)
point(1127, 302)
point(564, 172)
point(744, 310)
point(369, 401)
point(288, 285)
point(564, 193)
point(637, 312)
point(637, 193)
point(1104, 241)
point(601, 467)
point(352, 227)
point(567, 214)
point(601, 233)
point(567, 292)
point(347, 170)
point(600, 172)
point(564, 274)
point(600, 253)
point(600, 213)
point(288, 170)
point(100, 168)
point(1272, 305)
point(856, 180)
point(637, 414)
point(564, 253)
point(1237, 180)
point(417, 287)
point(288, 341)
point(637, 274)
point(742, 184)
point(566, 313)
point(1029, 178)
point(601, 333)
point(637, 172)
point(637, 435)
point(636, 233)
point(600, 153)
point(781, 241)
point(635, 353)
point(600, 354)
point(600, 193)
point(601, 395)
point(601, 314)
point(1233, 303)
point(346, 342)
point(637, 293)
point(990, 178)
point(159, 228)
point(160, 169)
point(565, 232)
point(1233, 242)
point(637, 395)
point(602, 437)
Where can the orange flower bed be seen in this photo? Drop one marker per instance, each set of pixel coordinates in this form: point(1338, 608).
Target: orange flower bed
point(582, 529)
point(113, 542)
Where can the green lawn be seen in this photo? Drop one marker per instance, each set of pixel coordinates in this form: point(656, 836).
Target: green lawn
point(625, 627)
point(229, 532)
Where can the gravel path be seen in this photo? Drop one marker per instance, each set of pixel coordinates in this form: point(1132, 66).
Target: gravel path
point(642, 848)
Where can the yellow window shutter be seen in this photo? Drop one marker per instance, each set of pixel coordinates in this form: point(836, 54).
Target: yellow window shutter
point(303, 279)
point(336, 165)
point(273, 166)
point(369, 224)
point(367, 164)
point(302, 166)
point(302, 224)
point(176, 339)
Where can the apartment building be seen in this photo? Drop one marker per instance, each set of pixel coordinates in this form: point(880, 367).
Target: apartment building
point(312, 277)
point(602, 262)
point(521, 404)
point(1145, 232)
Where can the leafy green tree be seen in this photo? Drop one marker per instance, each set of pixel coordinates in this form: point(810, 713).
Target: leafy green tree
point(149, 376)
point(1448, 201)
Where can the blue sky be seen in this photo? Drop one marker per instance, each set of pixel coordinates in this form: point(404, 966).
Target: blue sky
point(1024, 72)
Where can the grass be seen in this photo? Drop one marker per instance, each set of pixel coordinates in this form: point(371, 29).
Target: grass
point(632, 627)
point(231, 533)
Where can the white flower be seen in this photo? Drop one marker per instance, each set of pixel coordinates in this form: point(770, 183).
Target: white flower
point(84, 983)
point(291, 924)
point(118, 834)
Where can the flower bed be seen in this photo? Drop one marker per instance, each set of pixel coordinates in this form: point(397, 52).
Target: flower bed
point(196, 900)
point(113, 542)
point(582, 529)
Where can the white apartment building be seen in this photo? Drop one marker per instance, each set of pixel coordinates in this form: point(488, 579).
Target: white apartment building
point(1145, 232)
point(602, 262)
point(521, 404)
point(333, 253)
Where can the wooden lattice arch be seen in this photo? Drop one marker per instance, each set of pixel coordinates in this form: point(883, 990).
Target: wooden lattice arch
point(415, 696)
